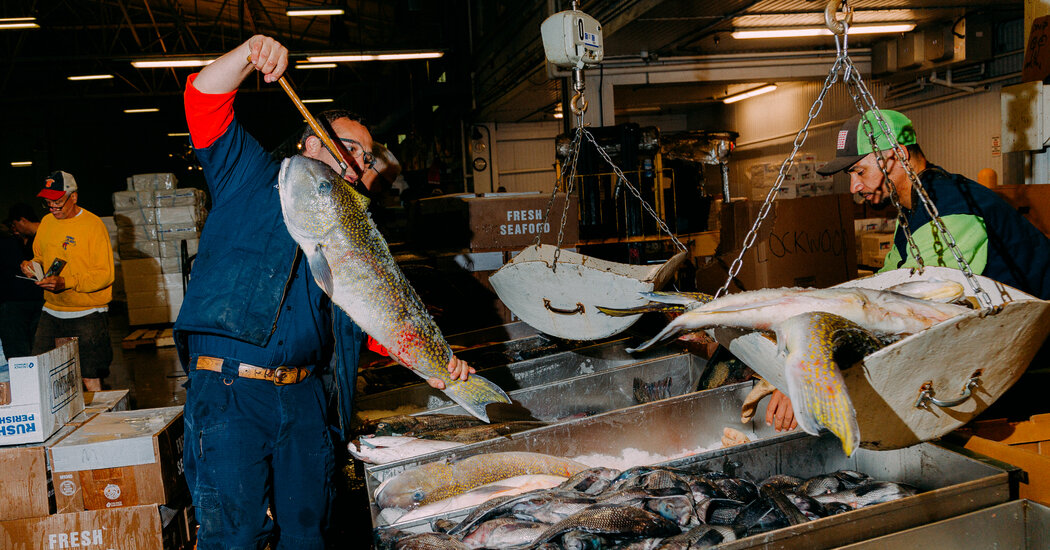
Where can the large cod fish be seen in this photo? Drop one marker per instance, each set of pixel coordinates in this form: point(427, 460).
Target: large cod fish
point(352, 264)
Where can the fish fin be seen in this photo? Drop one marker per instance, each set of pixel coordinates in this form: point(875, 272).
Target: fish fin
point(688, 299)
point(320, 269)
point(637, 310)
point(815, 383)
point(672, 329)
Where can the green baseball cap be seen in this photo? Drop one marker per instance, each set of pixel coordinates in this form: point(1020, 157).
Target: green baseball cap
point(853, 144)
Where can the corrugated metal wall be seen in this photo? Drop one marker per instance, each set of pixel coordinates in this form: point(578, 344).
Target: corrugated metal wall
point(523, 157)
point(956, 133)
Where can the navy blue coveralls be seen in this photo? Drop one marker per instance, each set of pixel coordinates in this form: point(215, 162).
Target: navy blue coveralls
point(252, 445)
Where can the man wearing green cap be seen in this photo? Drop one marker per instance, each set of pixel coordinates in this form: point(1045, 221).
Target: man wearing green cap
point(993, 238)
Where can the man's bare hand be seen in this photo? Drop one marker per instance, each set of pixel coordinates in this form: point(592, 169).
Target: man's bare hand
point(27, 269)
point(54, 283)
point(458, 369)
point(779, 412)
point(268, 56)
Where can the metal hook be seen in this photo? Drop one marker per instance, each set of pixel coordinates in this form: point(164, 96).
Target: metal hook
point(837, 26)
point(926, 393)
point(578, 104)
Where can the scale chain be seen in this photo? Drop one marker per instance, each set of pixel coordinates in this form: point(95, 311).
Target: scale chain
point(800, 138)
point(574, 155)
point(621, 178)
point(862, 107)
point(927, 203)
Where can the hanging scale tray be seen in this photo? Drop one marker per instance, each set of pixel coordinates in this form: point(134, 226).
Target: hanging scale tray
point(563, 302)
point(932, 382)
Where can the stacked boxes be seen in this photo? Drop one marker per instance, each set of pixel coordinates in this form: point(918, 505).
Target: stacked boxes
point(800, 179)
point(43, 393)
point(117, 459)
point(155, 222)
point(118, 275)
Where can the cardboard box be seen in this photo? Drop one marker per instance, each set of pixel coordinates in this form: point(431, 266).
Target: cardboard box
point(874, 224)
point(787, 190)
point(1022, 444)
point(107, 401)
point(149, 527)
point(154, 315)
point(120, 459)
point(874, 246)
point(45, 391)
point(25, 479)
point(806, 242)
point(495, 221)
point(150, 182)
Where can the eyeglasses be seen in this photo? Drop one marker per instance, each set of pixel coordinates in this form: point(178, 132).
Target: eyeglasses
point(55, 205)
point(356, 150)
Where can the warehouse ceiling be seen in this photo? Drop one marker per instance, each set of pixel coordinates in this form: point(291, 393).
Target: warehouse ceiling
point(493, 67)
point(495, 43)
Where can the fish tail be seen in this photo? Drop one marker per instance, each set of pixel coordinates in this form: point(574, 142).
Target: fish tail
point(822, 401)
point(689, 299)
point(637, 310)
point(473, 394)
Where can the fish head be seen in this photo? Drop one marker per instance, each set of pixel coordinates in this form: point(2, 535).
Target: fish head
point(309, 191)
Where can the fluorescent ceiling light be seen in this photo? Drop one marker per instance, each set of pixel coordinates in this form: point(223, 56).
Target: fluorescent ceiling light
point(144, 110)
point(373, 57)
point(90, 77)
point(17, 25)
point(799, 32)
point(559, 115)
point(312, 12)
point(750, 93)
point(179, 134)
point(163, 63)
point(319, 100)
point(21, 163)
point(315, 65)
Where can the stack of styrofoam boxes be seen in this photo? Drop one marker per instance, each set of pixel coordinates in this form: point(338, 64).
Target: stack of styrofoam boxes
point(118, 275)
point(825, 185)
point(764, 176)
point(154, 220)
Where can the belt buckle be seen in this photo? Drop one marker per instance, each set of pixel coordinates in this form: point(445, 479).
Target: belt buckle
point(281, 373)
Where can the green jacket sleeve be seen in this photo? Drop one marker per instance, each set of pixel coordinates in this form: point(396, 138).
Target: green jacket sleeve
point(970, 235)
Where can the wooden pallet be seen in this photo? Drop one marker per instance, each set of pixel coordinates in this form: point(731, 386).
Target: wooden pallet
point(160, 338)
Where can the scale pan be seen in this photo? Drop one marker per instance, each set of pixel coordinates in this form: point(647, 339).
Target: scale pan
point(562, 303)
point(886, 385)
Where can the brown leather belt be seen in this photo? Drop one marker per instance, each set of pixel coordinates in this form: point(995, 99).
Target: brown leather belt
point(280, 376)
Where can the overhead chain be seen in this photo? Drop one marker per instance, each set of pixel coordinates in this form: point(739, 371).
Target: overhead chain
point(869, 103)
point(570, 166)
point(800, 138)
point(622, 179)
point(902, 220)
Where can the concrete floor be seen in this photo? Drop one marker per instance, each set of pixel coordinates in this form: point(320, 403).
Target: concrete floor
point(152, 375)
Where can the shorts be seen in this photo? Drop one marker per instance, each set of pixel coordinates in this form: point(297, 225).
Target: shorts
point(92, 333)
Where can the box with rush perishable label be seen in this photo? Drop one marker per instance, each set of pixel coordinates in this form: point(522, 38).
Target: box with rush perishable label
point(120, 459)
point(42, 392)
point(147, 527)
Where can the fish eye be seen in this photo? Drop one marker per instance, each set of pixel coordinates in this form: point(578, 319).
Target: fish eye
point(325, 186)
point(418, 495)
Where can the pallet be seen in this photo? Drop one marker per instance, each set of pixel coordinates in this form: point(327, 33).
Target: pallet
point(160, 338)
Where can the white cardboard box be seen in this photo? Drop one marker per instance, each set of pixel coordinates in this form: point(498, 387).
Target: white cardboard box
point(45, 393)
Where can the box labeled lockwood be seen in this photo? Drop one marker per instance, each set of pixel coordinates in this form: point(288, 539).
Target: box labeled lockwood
point(149, 527)
point(25, 479)
point(45, 392)
point(120, 459)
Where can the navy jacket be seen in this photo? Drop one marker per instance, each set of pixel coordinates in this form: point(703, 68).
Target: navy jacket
point(993, 237)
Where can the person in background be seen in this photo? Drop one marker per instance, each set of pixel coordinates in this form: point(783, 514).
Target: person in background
point(994, 239)
point(20, 298)
point(255, 326)
point(76, 298)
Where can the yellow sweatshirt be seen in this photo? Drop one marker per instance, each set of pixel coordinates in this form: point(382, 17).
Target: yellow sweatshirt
point(83, 242)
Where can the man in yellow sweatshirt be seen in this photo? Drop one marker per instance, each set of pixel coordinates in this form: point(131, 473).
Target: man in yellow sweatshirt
point(76, 298)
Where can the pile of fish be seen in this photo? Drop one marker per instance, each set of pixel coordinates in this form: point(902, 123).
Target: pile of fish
point(818, 333)
point(400, 437)
point(649, 508)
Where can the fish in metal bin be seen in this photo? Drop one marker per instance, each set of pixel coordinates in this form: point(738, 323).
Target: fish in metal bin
point(819, 332)
point(436, 481)
point(351, 262)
